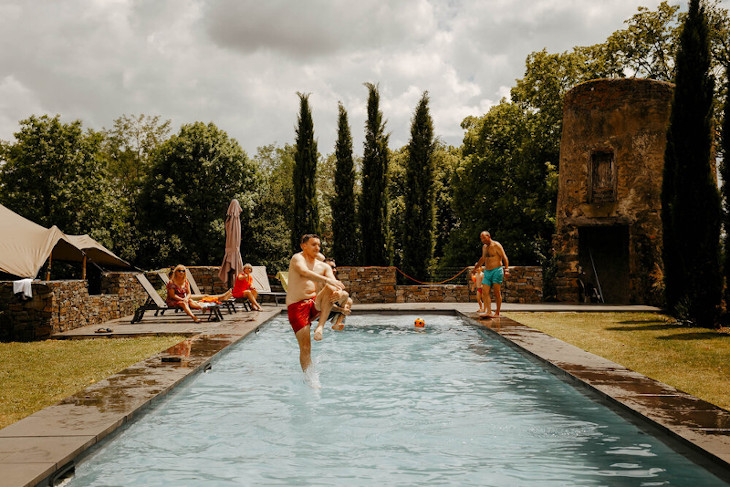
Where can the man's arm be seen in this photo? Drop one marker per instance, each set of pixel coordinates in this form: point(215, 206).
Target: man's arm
point(505, 261)
point(299, 265)
point(330, 274)
point(482, 259)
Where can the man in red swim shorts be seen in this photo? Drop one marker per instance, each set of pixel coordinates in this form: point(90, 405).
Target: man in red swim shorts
point(303, 302)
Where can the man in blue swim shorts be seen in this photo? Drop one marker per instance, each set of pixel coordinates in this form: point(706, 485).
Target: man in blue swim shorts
point(496, 270)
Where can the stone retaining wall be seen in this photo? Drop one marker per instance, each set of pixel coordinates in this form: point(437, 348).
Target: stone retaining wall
point(447, 293)
point(25, 320)
point(369, 284)
point(59, 306)
point(207, 279)
point(378, 285)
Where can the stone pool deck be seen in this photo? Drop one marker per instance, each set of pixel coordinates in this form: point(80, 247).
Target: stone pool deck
point(36, 449)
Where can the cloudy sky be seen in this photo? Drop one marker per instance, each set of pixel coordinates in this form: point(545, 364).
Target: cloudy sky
point(240, 63)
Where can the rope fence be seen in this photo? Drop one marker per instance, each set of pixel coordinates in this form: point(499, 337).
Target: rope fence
point(438, 275)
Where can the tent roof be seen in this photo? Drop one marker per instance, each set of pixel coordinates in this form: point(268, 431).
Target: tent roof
point(25, 246)
point(96, 252)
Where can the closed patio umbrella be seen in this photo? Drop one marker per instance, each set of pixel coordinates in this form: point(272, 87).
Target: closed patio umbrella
point(232, 262)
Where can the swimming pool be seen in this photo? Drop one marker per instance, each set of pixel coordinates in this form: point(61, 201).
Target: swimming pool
point(446, 405)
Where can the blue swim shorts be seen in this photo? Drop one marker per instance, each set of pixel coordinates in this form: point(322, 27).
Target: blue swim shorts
point(493, 276)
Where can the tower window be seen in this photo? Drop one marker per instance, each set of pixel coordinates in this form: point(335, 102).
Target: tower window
point(603, 177)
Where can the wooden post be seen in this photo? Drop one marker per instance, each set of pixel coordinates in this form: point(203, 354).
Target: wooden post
point(83, 269)
point(48, 274)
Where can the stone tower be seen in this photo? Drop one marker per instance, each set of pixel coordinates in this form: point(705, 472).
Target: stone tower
point(609, 228)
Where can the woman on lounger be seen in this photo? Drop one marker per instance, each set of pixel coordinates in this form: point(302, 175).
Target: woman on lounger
point(244, 288)
point(178, 293)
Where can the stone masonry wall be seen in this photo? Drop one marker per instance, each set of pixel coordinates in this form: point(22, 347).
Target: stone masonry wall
point(446, 293)
point(25, 320)
point(378, 285)
point(207, 279)
point(59, 306)
point(628, 118)
point(369, 284)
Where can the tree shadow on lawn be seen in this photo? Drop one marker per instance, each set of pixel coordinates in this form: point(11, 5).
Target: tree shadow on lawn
point(643, 325)
point(658, 325)
point(699, 335)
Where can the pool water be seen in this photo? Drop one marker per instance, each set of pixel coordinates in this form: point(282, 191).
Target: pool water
point(449, 404)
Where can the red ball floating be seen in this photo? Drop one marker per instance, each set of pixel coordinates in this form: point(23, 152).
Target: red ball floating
point(419, 323)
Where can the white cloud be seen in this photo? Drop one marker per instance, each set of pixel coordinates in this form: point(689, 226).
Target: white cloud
point(17, 102)
point(240, 63)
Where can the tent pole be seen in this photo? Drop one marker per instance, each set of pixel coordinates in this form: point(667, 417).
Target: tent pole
point(48, 273)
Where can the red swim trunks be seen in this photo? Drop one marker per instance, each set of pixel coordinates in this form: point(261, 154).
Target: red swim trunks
point(301, 313)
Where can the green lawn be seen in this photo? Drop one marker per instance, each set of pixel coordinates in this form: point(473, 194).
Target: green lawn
point(695, 360)
point(37, 374)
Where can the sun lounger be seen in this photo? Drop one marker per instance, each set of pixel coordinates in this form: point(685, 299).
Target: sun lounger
point(229, 303)
point(261, 283)
point(157, 304)
point(283, 277)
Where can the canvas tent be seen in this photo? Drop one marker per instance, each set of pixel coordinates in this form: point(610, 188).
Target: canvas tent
point(25, 246)
point(97, 253)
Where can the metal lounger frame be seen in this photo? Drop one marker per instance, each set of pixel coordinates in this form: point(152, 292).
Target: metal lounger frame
point(155, 303)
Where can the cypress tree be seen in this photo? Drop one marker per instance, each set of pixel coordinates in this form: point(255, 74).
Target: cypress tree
point(725, 173)
point(374, 200)
point(306, 214)
point(344, 227)
point(418, 221)
point(690, 199)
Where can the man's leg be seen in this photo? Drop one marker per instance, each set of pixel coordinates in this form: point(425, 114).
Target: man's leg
point(339, 322)
point(497, 297)
point(323, 303)
point(305, 348)
point(337, 325)
point(487, 299)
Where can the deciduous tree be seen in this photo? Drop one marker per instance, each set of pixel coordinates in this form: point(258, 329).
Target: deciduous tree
point(54, 174)
point(195, 174)
point(266, 229)
point(128, 147)
point(506, 184)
